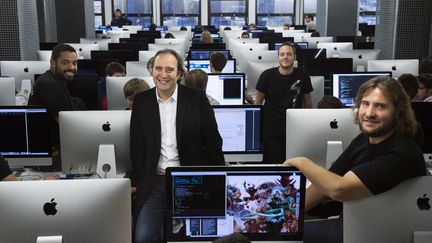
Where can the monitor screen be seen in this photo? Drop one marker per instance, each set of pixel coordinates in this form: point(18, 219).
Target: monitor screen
point(265, 203)
point(205, 54)
point(226, 88)
point(81, 133)
point(115, 94)
point(326, 67)
point(346, 85)
point(240, 128)
point(230, 66)
point(304, 55)
point(334, 48)
point(325, 127)
point(90, 210)
point(424, 117)
point(23, 70)
point(301, 45)
point(7, 91)
point(360, 58)
point(397, 67)
point(25, 136)
point(208, 46)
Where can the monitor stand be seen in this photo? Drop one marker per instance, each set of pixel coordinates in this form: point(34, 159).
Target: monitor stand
point(26, 88)
point(50, 239)
point(106, 164)
point(334, 150)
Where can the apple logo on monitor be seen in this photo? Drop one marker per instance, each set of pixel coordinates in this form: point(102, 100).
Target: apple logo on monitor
point(360, 56)
point(423, 203)
point(106, 127)
point(394, 68)
point(335, 48)
point(259, 57)
point(50, 207)
point(26, 69)
point(334, 124)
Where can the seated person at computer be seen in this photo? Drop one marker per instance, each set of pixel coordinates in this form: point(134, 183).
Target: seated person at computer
point(133, 87)
point(171, 125)
point(281, 88)
point(206, 37)
point(5, 171)
point(410, 84)
point(197, 78)
point(310, 24)
point(252, 26)
point(245, 35)
point(169, 36)
point(380, 157)
point(218, 61)
point(119, 20)
point(50, 89)
point(112, 69)
point(424, 92)
point(286, 26)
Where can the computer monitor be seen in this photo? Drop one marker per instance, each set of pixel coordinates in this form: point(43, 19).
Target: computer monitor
point(115, 94)
point(25, 136)
point(144, 56)
point(7, 91)
point(205, 54)
point(318, 89)
point(261, 55)
point(230, 66)
point(90, 210)
point(121, 55)
point(85, 86)
point(360, 58)
point(296, 35)
point(329, 132)
point(208, 46)
point(424, 117)
point(326, 67)
point(134, 47)
point(82, 133)
point(133, 28)
point(300, 45)
point(97, 66)
point(103, 42)
point(241, 41)
point(346, 85)
point(334, 48)
point(179, 48)
point(240, 129)
point(226, 88)
point(236, 48)
point(176, 41)
point(314, 41)
point(265, 203)
point(44, 55)
point(304, 55)
point(397, 67)
point(137, 69)
point(23, 70)
point(254, 71)
point(84, 49)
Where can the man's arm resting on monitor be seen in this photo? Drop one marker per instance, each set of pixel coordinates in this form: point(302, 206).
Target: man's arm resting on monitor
point(259, 98)
point(307, 100)
point(341, 188)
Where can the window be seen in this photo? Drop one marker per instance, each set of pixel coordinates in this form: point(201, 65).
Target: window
point(274, 12)
point(99, 13)
point(180, 12)
point(367, 13)
point(140, 12)
point(228, 12)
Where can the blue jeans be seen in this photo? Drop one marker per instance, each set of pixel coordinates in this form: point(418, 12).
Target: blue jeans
point(149, 224)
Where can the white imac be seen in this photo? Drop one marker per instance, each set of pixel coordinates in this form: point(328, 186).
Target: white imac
point(84, 50)
point(176, 41)
point(240, 129)
point(346, 85)
point(313, 41)
point(334, 48)
point(230, 66)
point(265, 56)
point(44, 55)
point(7, 91)
point(235, 41)
point(103, 42)
point(83, 132)
point(329, 132)
point(179, 48)
point(137, 69)
point(23, 70)
point(115, 35)
point(360, 58)
point(25, 136)
point(115, 94)
point(318, 89)
point(144, 56)
point(226, 88)
point(179, 34)
point(235, 48)
point(254, 71)
point(57, 211)
point(397, 67)
point(132, 28)
point(298, 36)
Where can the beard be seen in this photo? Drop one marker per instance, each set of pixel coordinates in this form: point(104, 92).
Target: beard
point(379, 131)
point(62, 74)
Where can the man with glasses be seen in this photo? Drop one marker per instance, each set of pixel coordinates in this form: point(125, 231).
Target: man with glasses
point(281, 88)
point(171, 125)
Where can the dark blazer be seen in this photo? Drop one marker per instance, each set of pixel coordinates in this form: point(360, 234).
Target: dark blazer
point(198, 139)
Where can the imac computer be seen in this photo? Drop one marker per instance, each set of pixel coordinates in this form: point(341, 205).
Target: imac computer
point(236, 48)
point(329, 132)
point(360, 58)
point(230, 66)
point(233, 41)
point(240, 129)
point(208, 46)
point(23, 70)
point(44, 55)
point(179, 48)
point(84, 50)
point(131, 46)
point(144, 56)
point(423, 113)
point(55, 211)
point(121, 55)
point(318, 89)
point(397, 67)
point(298, 36)
point(346, 85)
point(226, 88)
point(254, 71)
point(205, 54)
point(84, 136)
point(334, 48)
point(137, 68)
point(205, 203)
point(314, 41)
point(265, 55)
point(115, 94)
point(326, 67)
point(103, 42)
point(176, 41)
point(25, 136)
point(7, 91)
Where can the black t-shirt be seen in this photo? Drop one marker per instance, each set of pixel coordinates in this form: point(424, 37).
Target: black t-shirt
point(381, 166)
point(280, 93)
point(4, 168)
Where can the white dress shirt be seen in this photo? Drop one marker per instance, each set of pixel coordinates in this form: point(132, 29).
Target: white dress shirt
point(168, 113)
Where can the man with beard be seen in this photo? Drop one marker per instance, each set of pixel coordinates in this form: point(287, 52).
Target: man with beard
point(380, 157)
point(50, 89)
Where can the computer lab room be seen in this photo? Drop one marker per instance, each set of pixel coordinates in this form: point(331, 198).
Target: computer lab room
point(219, 121)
